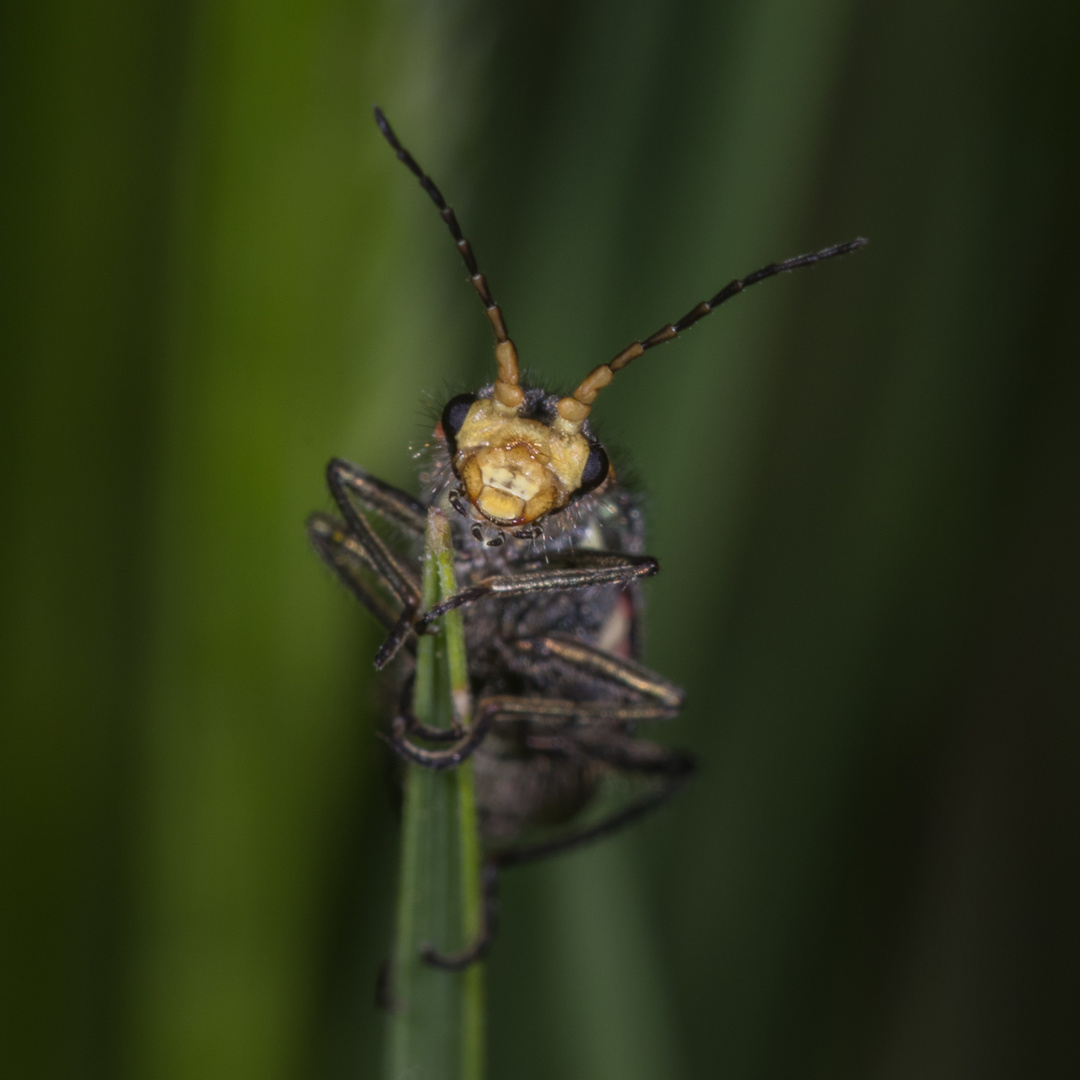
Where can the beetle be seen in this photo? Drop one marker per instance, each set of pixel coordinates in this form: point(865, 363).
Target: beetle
point(551, 550)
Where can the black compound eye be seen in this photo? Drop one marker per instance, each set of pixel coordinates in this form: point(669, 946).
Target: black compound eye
point(595, 471)
point(453, 415)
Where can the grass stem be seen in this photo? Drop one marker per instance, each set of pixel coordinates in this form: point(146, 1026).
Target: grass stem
point(437, 1017)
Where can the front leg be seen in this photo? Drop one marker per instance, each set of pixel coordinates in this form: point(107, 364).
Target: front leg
point(357, 492)
point(357, 554)
point(586, 570)
point(368, 571)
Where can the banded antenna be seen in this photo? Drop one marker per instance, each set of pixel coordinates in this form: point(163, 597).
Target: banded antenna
point(507, 391)
point(576, 408)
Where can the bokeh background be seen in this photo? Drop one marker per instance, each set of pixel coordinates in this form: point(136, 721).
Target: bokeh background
point(862, 483)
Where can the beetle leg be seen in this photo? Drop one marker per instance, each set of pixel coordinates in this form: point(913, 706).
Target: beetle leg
point(634, 755)
point(357, 491)
point(561, 659)
point(489, 922)
point(639, 756)
point(586, 570)
point(487, 711)
point(452, 756)
point(357, 554)
point(426, 731)
point(554, 712)
point(356, 563)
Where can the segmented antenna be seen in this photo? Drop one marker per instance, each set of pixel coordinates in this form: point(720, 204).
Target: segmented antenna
point(576, 408)
point(507, 391)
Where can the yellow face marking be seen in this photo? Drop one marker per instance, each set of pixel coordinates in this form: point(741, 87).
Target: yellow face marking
point(516, 470)
point(500, 507)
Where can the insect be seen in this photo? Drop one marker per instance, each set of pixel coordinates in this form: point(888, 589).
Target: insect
point(551, 553)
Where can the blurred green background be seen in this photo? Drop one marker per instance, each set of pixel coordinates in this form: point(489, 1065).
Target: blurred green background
point(862, 484)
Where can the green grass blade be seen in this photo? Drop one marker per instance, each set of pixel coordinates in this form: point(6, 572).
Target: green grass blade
point(436, 1025)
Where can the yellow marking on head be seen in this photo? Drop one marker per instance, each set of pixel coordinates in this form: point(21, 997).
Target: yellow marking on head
point(516, 470)
point(500, 506)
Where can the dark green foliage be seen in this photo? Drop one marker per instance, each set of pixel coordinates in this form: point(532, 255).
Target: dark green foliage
point(861, 481)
